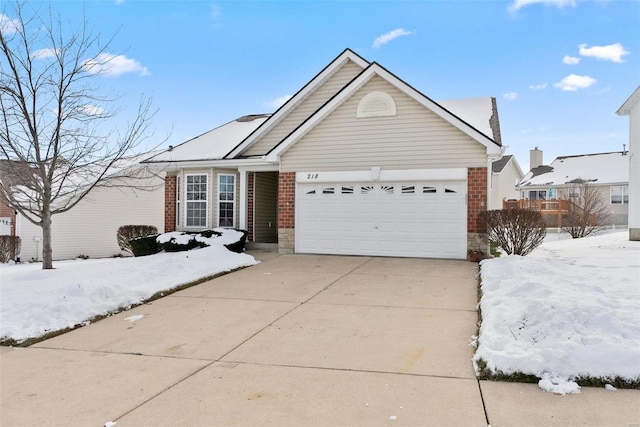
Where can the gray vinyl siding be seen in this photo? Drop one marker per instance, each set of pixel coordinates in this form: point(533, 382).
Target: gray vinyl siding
point(307, 107)
point(265, 227)
point(415, 138)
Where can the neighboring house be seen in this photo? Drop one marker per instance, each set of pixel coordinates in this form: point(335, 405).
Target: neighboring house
point(90, 227)
point(608, 172)
point(357, 162)
point(506, 174)
point(631, 108)
point(7, 220)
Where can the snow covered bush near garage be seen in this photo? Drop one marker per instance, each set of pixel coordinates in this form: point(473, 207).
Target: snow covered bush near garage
point(36, 302)
point(567, 313)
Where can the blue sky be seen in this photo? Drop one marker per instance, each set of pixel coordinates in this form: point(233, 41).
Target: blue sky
point(559, 69)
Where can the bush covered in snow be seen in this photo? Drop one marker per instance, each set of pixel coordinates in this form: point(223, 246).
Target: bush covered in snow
point(143, 246)
point(128, 232)
point(177, 241)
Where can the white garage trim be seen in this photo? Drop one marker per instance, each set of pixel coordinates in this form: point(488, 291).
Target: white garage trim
point(424, 218)
point(376, 174)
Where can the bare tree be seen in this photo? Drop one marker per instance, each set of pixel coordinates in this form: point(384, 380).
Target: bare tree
point(56, 145)
point(588, 210)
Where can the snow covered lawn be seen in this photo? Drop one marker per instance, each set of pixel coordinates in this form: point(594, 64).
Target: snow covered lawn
point(34, 302)
point(568, 311)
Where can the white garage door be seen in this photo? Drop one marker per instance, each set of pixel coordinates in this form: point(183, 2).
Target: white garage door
point(406, 219)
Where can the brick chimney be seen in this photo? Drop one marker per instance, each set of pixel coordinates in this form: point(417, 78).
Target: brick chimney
point(535, 158)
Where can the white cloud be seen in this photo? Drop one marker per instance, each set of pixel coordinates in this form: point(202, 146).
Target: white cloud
point(386, 38)
point(44, 53)
point(114, 65)
point(613, 52)
point(7, 25)
point(91, 110)
point(510, 96)
point(570, 60)
point(516, 5)
point(573, 82)
point(540, 86)
point(278, 102)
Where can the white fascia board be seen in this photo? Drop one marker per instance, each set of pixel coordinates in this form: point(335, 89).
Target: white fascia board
point(293, 102)
point(406, 175)
point(493, 149)
point(249, 164)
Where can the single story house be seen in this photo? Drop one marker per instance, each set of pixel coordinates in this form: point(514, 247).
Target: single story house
point(357, 162)
point(608, 172)
point(506, 174)
point(631, 108)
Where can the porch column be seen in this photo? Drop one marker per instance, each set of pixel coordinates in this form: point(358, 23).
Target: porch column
point(244, 199)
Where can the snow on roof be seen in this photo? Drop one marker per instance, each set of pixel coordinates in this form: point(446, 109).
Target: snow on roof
point(214, 144)
point(601, 168)
point(475, 111)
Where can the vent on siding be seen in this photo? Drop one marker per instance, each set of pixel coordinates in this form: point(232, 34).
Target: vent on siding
point(376, 104)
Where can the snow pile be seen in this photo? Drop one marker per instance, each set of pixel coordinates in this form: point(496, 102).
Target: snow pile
point(567, 310)
point(226, 237)
point(35, 301)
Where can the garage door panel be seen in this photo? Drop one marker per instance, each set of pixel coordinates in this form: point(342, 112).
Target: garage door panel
point(416, 219)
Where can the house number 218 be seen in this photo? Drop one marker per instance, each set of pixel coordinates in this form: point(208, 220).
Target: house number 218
point(312, 176)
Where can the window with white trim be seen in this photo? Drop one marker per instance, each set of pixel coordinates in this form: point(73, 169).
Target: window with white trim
point(620, 194)
point(196, 200)
point(226, 200)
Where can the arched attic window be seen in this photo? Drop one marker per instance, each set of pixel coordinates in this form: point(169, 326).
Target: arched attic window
point(376, 104)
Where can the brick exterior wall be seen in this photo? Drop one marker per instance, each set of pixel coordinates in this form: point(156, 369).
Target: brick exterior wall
point(250, 208)
point(286, 211)
point(170, 204)
point(476, 203)
point(8, 212)
point(477, 196)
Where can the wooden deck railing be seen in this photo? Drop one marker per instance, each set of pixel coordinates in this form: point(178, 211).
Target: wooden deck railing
point(548, 208)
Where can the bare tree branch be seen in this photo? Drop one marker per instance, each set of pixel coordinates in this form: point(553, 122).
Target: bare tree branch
point(55, 145)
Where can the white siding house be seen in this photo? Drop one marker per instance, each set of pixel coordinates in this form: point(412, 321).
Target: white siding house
point(356, 162)
point(505, 176)
point(631, 108)
point(90, 227)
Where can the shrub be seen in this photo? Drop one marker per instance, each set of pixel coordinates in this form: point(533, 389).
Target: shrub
point(128, 232)
point(9, 248)
point(588, 211)
point(142, 246)
point(239, 245)
point(516, 231)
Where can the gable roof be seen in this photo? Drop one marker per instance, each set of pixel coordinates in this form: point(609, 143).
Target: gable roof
point(600, 168)
point(295, 100)
point(372, 70)
point(625, 109)
point(498, 165)
point(214, 144)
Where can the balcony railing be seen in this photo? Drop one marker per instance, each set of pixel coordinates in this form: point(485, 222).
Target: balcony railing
point(552, 210)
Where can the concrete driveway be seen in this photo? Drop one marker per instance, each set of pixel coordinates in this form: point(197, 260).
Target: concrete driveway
point(297, 340)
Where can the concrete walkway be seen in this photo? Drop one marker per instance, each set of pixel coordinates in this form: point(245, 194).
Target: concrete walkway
point(298, 340)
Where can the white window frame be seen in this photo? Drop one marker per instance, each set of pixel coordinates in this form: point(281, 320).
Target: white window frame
point(178, 207)
point(624, 193)
point(233, 201)
point(187, 201)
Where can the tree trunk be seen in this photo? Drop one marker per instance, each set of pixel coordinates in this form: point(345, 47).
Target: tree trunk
point(47, 252)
